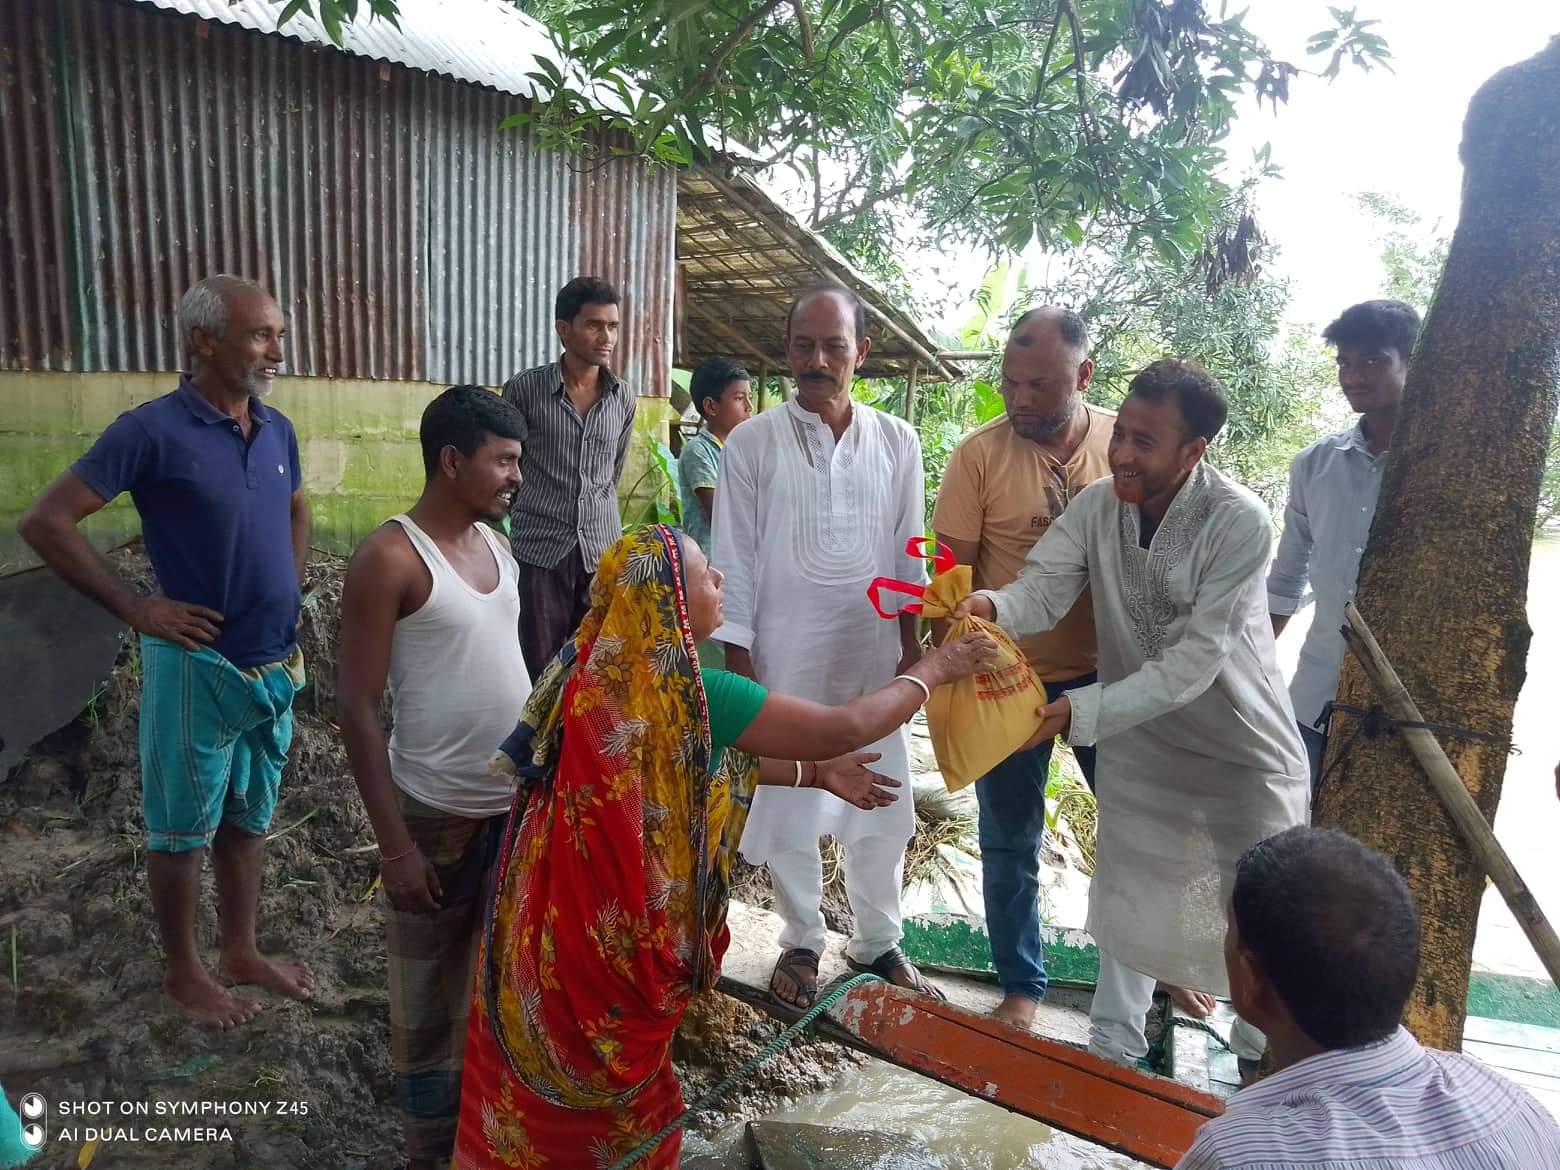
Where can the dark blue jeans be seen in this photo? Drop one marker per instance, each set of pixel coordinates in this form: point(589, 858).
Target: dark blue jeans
point(1012, 823)
point(1315, 743)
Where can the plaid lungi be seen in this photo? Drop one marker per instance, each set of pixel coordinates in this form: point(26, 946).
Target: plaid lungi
point(430, 959)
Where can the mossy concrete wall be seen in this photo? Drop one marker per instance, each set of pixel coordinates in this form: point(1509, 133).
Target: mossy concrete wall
point(357, 441)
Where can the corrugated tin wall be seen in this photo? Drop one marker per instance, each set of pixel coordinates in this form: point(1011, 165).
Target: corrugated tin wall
point(503, 240)
point(628, 234)
point(36, 270)
point(405, 234)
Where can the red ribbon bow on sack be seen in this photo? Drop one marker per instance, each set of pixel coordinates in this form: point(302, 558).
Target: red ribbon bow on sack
point(926, 549)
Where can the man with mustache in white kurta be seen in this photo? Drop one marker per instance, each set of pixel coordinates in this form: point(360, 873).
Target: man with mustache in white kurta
point(815, 498)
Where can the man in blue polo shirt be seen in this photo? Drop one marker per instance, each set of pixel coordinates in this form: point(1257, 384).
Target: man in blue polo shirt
point(215, 478)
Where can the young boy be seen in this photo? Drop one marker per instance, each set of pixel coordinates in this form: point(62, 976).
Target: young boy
point(723, 397)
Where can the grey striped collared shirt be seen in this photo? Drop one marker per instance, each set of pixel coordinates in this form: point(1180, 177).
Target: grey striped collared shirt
point(569, 470)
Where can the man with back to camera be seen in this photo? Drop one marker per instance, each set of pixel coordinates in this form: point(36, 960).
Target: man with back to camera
point(214, 475)
point(1199, 756)
point(430, 606)
point(1333, 485)
point(578, 419)
point(1322, 951)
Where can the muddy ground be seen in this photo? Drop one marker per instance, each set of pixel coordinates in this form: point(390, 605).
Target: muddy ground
point(82, 1016)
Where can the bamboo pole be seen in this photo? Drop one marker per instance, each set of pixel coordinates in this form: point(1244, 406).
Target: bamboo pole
point(763, 387)
point(910, 385)
point(741, 343)
point(1454, 795)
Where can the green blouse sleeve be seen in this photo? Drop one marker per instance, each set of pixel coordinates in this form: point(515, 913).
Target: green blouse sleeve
point(734, 702)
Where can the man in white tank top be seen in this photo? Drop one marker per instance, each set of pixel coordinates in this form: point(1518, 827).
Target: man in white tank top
point(431, 607)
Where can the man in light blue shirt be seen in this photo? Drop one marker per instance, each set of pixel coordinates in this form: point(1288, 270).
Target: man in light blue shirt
point(1333, 485)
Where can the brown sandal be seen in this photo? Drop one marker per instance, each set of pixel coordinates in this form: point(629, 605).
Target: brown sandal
point(893, 960)
point(791, 963)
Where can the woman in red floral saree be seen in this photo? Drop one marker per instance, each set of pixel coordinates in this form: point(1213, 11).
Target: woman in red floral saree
point(609, 903)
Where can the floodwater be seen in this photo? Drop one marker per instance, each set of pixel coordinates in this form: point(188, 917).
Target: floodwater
point(960, 1132)
point(1529, 813)
point(965, 1133)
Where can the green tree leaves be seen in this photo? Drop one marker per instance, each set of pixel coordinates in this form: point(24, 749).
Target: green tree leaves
point(983, 123)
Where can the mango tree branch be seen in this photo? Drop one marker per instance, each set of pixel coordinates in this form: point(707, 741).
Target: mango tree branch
point(711, 71)
point(866, 204)
point(1045, 59)
point(1065, 8)
point(806, 26)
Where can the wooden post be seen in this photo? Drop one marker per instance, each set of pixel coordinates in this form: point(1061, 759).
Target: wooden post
point(1451, 790)
point(679, 311)
point(763, 387)
point(910, 385)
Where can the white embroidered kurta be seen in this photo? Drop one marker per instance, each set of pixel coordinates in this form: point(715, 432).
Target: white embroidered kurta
point(1199, 757)
point(802, 524)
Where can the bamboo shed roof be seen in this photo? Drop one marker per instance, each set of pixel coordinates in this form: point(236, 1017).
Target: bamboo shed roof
point(742, 259)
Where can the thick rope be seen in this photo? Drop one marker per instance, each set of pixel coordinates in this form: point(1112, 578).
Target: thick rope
point(1373, 722)
point(1201, 1026)
point(1155, 1060)
point(732, 1080)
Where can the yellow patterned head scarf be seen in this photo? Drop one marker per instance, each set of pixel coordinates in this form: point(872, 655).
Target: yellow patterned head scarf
point(604, 913)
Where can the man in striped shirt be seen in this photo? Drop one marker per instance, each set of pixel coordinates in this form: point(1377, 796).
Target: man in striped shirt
point(1323, 951)
point(578, 418)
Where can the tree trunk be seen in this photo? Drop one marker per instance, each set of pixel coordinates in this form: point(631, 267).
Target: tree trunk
point(1443, 582)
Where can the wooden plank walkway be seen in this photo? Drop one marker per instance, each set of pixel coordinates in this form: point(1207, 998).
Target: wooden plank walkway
point(1046, 1076)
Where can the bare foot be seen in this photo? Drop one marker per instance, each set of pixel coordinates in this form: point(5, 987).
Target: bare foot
point(293, 980)
point(1017, 1011)
point(1197, 1004)
point(211, 1005)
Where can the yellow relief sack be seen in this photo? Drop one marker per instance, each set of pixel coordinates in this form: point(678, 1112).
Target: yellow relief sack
point(979, 721)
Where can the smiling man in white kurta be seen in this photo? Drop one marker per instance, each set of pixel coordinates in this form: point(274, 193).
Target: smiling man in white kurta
point(1199, 756)
point(815, 499)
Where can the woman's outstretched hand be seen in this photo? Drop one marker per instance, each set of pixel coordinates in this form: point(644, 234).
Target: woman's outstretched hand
point(848, 778)
point(958, 658)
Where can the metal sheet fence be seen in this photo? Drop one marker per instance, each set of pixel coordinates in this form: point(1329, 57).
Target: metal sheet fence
point(405, 234)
